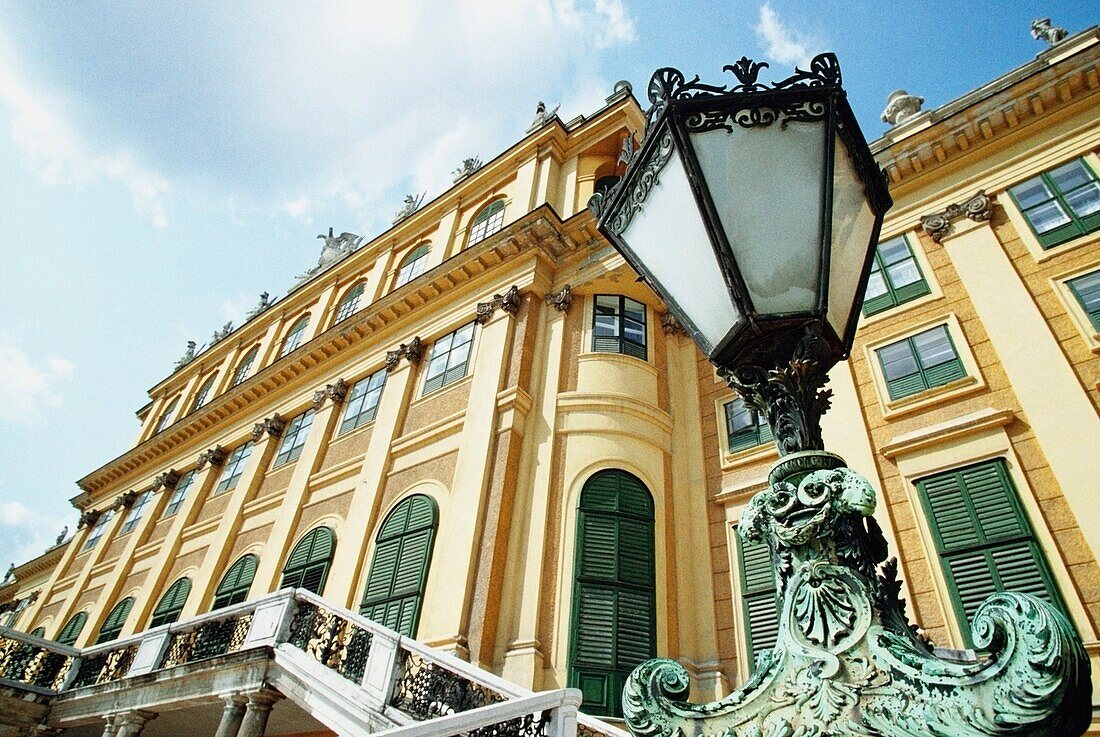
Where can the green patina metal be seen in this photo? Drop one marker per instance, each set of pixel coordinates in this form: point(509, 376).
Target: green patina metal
point(848, 662)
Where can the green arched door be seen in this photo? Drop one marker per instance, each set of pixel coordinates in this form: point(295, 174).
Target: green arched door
point(395, 584)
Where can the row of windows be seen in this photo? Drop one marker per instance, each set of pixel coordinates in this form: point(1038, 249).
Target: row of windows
point(489, 221)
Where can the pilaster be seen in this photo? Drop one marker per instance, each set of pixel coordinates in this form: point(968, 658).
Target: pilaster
point(68, 609)
point(59, 572)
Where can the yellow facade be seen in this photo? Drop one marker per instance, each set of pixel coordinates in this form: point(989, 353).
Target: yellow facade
point(505, 450)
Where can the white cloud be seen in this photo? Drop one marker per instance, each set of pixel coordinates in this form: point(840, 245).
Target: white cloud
point(299, 209)
point(237, 309)
point(26, 533)
point(26, 389)
point(781, 42)
point(57, 154)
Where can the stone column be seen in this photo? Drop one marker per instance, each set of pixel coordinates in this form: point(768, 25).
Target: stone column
point(130, 724)
point(110, 726)
point(232, 716)
point(257, 711)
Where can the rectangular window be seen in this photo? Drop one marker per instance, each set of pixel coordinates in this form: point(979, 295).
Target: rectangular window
point(294, 439)
point(179, 493)
point(745, 428)
point(758, 595)
point(450, 358)
point(97, 530)
point(1060, 204)
point(619, 326)
point(362, 402)
point(1087, 291)
point(920, 362)
point(895, 277)
point(136, 513)
point(984, 539)
point(234, 467)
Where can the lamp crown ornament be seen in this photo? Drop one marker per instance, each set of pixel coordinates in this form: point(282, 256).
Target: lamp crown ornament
point(753, 211)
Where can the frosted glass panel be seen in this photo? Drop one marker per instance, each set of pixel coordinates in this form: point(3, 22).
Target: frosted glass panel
point(853, 221)
point(668, 236)
point(766, 185)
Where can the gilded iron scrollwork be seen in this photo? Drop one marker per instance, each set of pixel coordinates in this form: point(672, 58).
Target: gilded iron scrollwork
point(105, 667)
point(331, 640)
point(426, 690)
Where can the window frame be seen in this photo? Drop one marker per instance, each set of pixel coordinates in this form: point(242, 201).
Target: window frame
point(297, 330)
point(179, 493)
point(758, 593)
point(98, 530)
point(363, 415)
point(1076, 227)
point(70, 632)
point(449, 375)
point(915, 290)
point(407, 269)
point(349, 302)
point(166, 415)
point(135, 513)
point(486, 215)
point(922, 370)
point(310, 538)
point(759, 432)
point(244, 366)
point(620, 344)
point(169, 614)
point(202, 396)
point(230, 592)
point(1092, 317)
point(229, 479)
point(112, 625)
point(294, 439)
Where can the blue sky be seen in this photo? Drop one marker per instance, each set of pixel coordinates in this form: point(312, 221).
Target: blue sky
point(163, 164)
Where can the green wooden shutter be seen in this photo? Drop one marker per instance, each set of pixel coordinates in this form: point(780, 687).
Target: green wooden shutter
point(614, 606)
point(236, 582)
point(171, 604)
point(399, 570)
point(38, 632)
point(112, 626)
point(758, 595)
point(307, 565)
point(71, 631)
point(985, 541)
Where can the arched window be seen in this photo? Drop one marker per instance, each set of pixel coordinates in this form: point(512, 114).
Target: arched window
point(38, 632)
point(203, 393)
point(166, 415)
point(614, 605)
point(171, 604)
point(235, 583)
point(72, 628)
point(293, 338)
point(307, 566)
point(244, 368)
point(413, 265)
point(112, 626)
point(349, 305)
point(487, 222)
point(604, 184)
point(403, 549)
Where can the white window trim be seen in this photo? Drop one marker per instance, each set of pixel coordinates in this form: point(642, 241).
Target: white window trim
point(588, 328)
point(916, 246)
point(475, 342)
point(746, 456)
point(1060, 286)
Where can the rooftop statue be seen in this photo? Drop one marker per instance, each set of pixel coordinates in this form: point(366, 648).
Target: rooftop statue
point(469, 166)
point(411, 204)
point(1042, 30)
point(261, 306)
point(542, 116)
point(336, 247)
point(187, 357)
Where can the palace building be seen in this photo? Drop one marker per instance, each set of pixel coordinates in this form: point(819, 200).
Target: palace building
point(470, 463)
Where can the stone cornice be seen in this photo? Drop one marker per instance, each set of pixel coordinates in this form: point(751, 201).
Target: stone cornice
point(946, 432)
point(540, 231)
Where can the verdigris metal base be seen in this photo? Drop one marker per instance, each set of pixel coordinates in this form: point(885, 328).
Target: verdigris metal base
point(847, 661)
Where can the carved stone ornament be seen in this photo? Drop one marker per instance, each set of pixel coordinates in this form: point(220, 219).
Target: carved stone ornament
point(214, 456)
point(671, 326)
point(542, 116)
point(468, 167)
point(336, 392)
point(166, 480)
point(335, 249)
point(562, 299)
point(413, 351)
point(847, 661)
point(88, 518)
point(187, 357)
point(900, 106)
point(508, 302)
point(409, 205)
point(978, 208)
point(8, 606)
point(220, 335)
point(273, 426)
point(125, 501)
point(1042, 30)
point(261, 307)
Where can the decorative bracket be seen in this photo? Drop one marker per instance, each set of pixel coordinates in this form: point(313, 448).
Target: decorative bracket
point(166, 480)
point(273, 426)
point(413, 351)
point(562, 299)
point(126, 501)
point(507, 302)
point(215, 457)
point(89, 518)
point(978, 208)
point(336, 392)
point(671, 326)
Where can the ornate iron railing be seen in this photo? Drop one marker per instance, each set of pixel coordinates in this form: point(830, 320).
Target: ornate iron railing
point(426, 690)
point(331, 640)
point(104, 667)
point(209, 639)
point(531, 725)
point(22, 660)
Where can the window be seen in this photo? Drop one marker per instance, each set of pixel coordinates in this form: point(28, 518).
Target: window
point(294, 439)
point(618, 326)
point(236, 582)
point(135, 513)
point(179, 493)
point(294, 338)
point(234, 467)
point(604, 184)
point(166, 416)
point(171, 604)
point(349, 304)
point(97, 530)
point(362, 402)
point(614, 623)
point(112, 626)
point(403, 549)
point(745, 428)
point(487, 222)
point(983, 537)
point(38, 632)
point(71, 631)
point(204, 393)
point(1060, 204)
point(307, 566)
point(895, 277)
point(450, 358)
point(245, 366)
point(413, 265)
point(1087, 291)
point(920, 362)
point(758, 595)
point(11, 617)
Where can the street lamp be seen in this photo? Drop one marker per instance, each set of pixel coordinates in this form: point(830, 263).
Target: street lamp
point(753, 211)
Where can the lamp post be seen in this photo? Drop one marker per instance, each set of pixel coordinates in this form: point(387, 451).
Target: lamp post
point(753, 211)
